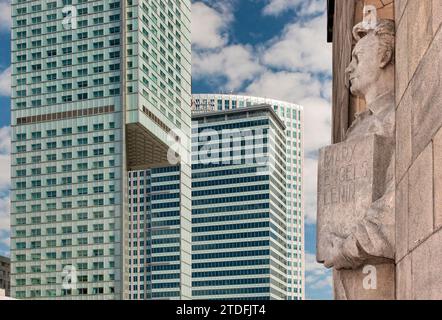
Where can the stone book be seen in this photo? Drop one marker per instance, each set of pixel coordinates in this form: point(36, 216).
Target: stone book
point(351, 177)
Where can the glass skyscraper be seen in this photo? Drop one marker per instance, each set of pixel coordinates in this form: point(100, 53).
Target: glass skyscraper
point(239, 225)
point(154, 235)
point(292, 116)
point(98, 89)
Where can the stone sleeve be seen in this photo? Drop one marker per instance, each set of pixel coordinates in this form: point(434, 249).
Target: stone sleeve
point(372, 240)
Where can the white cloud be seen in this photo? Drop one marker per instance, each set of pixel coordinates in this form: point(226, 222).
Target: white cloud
point(4, 213)
point(301, 47)
point(317, 128)
point(235, 63)
point(312, 7)
point(317, 132)
point(288, 86)
point(5, 158)
point(5, 14)
point(5, 140)
point(5, 175)
point(5, 143)
point(317, 276)
point(209, 26)
point(303, 7)
point(5, 82)
point(213, 59)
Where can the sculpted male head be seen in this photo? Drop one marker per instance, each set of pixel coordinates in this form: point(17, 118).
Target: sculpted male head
point(372, 67)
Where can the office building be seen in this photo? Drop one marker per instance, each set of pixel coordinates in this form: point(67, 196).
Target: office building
point(155, 229)
point(99, 88)
point(5, 267)
point(292, 116)
point(239, 223)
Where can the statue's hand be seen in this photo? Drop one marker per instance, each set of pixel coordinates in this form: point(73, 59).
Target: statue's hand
point(335, 258)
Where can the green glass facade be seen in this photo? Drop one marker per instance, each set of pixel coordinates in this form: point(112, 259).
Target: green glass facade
point(81, 98)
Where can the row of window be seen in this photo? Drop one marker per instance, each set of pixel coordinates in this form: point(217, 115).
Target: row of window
point(149, 189)
point(135, 174)
point(230, 292)
point(80, 204)
point(64, 292)
point(83, 72)
point(258, 156)
point(64, 39)
point(65, 131)
point(231, 245)
point(209, 192)
point(236, 125)
point(68, 144)
point(243, 198)
point(62, 243)
point(230, 263)
point(64, 217)
point(53, 169)
point(20, 233)
point(230, 273)
point(53, 280)
point(53, 5)
point(162, 259)
point(100, 93)
point(245, 207)
point(229, 236)
point(230, 282)
point(53, 255)
point(65, 180)
point(231, 217)
point(233, 254)
point(21, 185)
point(64, 168)
point(218, 182)
point(165, 196)
point(83, 47)
point(67, 98)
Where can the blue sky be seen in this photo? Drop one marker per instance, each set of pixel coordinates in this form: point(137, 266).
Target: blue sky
point(270, 48)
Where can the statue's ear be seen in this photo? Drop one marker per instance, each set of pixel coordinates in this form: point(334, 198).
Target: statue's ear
point(387, 57)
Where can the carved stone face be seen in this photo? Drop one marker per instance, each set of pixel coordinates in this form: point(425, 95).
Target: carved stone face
point(366, 65)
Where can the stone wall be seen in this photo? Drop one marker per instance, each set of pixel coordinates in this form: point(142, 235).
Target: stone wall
point(418, 149)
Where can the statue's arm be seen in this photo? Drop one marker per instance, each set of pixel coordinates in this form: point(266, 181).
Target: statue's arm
point(372, 239)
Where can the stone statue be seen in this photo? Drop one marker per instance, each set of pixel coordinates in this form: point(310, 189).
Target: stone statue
point(371, 76)
point(370, 238)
